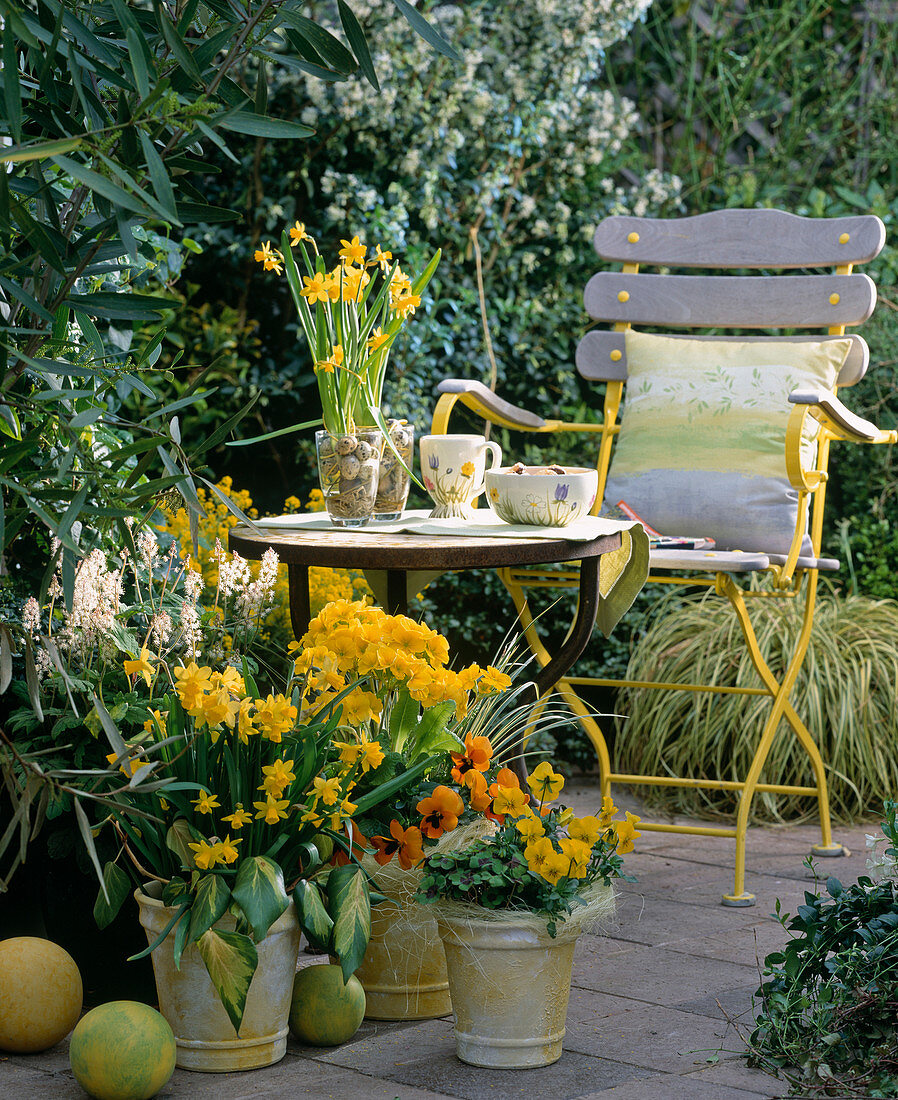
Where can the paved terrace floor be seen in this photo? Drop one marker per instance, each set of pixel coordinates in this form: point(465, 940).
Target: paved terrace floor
point(649, 1007)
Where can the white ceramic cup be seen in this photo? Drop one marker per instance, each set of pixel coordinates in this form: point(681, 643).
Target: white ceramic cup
point(453, 467)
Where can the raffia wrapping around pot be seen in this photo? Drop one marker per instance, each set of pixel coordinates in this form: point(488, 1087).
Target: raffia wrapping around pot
point(404, 969)
point(510, 980)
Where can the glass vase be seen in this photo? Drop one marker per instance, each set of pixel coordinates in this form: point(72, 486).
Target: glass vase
point(395, 479)
point(348, 471)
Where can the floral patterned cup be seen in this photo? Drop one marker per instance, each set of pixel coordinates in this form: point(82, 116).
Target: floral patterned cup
point(453, 467)
point(541, 496)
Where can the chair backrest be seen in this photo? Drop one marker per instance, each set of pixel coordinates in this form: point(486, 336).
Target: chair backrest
point(761, 241)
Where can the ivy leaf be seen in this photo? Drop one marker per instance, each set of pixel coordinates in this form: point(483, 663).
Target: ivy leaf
point(231, 960)
point(259, 891)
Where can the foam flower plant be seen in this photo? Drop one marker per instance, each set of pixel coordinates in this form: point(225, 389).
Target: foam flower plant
point(350, 316)
point(541, 858)
point(231, 800)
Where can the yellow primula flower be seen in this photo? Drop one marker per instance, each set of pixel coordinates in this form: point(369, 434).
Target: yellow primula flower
point(238, 818)
point(142, 667)
point(545, 783)
point(206, 803)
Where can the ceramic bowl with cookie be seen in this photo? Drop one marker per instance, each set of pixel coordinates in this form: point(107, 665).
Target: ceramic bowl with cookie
point(541, 496)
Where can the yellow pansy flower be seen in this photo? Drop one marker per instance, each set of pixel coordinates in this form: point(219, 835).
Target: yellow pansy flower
point(530, 827)
point(608, 812)
point(545, 783)
point(578, 853)
point(626, 833)
point(587, 829)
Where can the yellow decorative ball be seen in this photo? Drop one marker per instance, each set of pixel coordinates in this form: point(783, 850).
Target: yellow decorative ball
point(324, 1012)
point(123, 1050)
point(40, 994)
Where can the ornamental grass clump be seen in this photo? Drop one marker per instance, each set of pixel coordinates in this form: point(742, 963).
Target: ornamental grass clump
point(845, 692)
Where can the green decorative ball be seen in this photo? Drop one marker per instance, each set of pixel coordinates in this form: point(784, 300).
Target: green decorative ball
point(123, 1050)
point(324, 1012)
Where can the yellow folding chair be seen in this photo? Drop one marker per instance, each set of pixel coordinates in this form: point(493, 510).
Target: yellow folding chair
point(720, 436)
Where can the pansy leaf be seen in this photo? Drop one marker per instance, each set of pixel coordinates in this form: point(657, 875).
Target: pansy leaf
point(259, 891)
point(231, 960)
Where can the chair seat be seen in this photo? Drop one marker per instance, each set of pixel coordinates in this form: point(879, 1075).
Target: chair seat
point(827, 565)
point(731, 561)
point(709, 561)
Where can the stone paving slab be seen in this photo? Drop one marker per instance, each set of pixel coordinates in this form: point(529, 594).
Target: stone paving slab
point(651, 1003)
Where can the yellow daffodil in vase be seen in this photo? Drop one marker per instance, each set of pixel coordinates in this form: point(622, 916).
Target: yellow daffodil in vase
point(350, 316)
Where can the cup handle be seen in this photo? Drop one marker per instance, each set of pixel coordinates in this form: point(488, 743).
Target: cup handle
point(496, 453)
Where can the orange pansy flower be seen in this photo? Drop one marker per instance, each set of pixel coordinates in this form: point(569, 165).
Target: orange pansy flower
point(479, 797)
point(405, 844)
point(477, 755)
point(440, 812)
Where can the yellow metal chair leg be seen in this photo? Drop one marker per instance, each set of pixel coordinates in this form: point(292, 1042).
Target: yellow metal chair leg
point(781, 708)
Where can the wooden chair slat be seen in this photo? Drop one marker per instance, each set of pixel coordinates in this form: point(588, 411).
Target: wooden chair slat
point(731, 301)
point(602, 355)
point(741, 239)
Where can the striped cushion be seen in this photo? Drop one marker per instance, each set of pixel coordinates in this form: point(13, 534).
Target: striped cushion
point(701, 449)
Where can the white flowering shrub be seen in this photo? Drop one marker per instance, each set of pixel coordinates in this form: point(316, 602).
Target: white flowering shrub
point(522, 143)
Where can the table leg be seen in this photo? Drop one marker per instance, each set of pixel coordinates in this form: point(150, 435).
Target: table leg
point(577, 640)
point(397, 592)
point(300, 599)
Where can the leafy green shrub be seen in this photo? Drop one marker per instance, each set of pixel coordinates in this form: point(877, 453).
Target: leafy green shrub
point(845, 694)
point(827, 1017)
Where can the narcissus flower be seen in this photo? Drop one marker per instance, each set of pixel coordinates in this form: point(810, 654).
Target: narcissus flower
point(238, 818)
point(405, 844)
point(272, 810)
point(226, 850)
point(298, 233)
point(440, 812)
point(206, 803)
point(278, 775)
point(141, 667)
point(353, 251)
point(205, 855)
point(316, 287)
point(328, 790)
point(192, 682)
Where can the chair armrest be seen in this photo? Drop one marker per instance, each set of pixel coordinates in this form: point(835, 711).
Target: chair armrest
point(486, 404)
point(839, 420)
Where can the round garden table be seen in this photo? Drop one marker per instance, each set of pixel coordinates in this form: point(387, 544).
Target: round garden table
point(403, 553)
